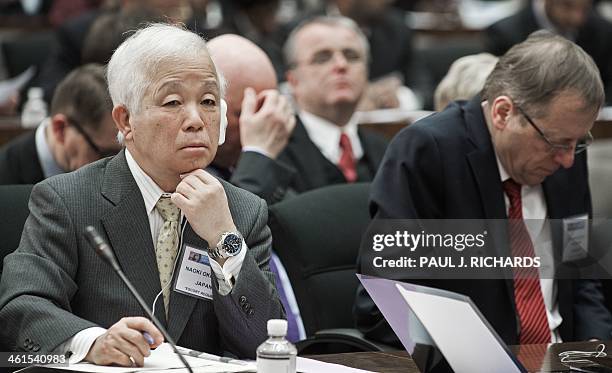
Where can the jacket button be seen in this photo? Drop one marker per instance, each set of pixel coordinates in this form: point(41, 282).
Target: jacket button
point(250, 312)
point(242, 300)
point(36, 348)
point(246, 307)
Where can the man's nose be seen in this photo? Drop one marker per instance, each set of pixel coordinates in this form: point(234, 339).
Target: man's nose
point(565, 158)
point(339, 61)
point(193, 117)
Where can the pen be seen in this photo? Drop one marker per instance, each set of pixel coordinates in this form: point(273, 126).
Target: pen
point(148, 338)
point(211, 357)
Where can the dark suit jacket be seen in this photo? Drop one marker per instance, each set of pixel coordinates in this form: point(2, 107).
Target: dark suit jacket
point(593, 37)
point(19, 163)
point(54, 285)
point(301, 167)
point(444, 167)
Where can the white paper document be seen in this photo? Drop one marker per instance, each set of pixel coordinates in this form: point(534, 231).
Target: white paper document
point(459, 332)
point(163, 358)
point(314, 366)
point(11, 86)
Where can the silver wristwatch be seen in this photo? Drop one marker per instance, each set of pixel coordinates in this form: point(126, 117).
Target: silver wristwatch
point(229, 245)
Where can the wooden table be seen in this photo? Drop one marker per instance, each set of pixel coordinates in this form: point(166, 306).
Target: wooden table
point(543, 358)
point(383, 362)
point(389, 128)
point(535, 358)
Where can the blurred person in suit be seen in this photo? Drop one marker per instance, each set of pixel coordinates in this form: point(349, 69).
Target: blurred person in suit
point(79, 130)
point(517, 152)
point(260, 120)
point(464, 79)
point(153, 203)
point(391, 58)
point(575, 20)
point(327, 71)
point(257, 21)
point(71, 35)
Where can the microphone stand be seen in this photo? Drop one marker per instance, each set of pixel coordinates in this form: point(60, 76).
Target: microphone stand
point(106, 253)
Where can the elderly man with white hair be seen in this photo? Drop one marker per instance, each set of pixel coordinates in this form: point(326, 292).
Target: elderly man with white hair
point(160, 211)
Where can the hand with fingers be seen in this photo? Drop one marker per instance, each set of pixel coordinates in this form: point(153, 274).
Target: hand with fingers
point(202, 199)
point(124, 343)
point(266, 121)
point(381, 94)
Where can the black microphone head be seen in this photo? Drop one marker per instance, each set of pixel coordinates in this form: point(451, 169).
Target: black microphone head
point(101, 247)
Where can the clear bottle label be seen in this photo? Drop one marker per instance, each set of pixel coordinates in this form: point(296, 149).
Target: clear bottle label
point(265, 365)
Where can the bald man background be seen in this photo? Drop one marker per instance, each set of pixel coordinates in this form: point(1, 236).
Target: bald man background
point(260, 120)
point(260, 124)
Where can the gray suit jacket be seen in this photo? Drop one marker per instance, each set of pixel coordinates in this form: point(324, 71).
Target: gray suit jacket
point(54, 285)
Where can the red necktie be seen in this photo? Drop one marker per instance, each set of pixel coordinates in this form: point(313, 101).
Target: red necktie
point(527, 290)
point(347, 162)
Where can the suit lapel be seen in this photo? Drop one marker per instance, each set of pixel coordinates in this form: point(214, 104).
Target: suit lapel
point(129, 233)
point(557, 192)
point(316, 170)
point(181, 306)
point(373, 153)
point(483, 164)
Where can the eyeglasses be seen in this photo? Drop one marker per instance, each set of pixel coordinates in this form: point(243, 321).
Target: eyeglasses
point(102, 153)
point(581, 145)
point(325, 56)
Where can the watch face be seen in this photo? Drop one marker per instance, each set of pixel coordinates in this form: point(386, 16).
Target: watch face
point(232, 243)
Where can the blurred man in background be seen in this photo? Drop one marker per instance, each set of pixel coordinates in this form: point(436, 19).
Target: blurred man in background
point(79, 130)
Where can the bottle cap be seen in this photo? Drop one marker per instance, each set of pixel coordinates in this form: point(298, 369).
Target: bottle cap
point(35, 92)
point(277, 327)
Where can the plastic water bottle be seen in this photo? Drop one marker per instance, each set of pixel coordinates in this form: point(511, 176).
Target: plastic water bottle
point(277, 354)
point(35, 108)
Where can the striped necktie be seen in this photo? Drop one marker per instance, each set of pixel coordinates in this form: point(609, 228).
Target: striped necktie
point(528, 297)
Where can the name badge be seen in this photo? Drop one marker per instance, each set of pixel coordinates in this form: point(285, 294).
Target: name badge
point(194, 277)
point(575, 238)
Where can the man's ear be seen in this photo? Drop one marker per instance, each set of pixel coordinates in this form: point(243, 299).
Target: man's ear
point(291, 79)
point(121, 117)
point(501, 109)
point(59, 122)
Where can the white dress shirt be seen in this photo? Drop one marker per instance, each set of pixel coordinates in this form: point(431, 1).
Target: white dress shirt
point(47, 162)
point(80, 344)
point(537, 223)
point(326, 136)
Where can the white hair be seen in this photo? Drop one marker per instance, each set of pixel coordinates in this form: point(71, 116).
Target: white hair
point(140, 57)
point(465, 79)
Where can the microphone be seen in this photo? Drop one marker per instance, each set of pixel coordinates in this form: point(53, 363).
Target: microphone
point(106, 253)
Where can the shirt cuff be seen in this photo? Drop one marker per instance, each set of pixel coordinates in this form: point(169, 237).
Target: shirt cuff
point(228, 274)
point(255, 149)
point(78, 346)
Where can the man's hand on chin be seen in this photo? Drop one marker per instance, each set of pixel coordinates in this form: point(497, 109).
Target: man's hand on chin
point(124, 343)
point(202, 199)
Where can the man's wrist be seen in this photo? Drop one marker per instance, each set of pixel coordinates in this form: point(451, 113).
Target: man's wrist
point(258, 149)
point(228, 245)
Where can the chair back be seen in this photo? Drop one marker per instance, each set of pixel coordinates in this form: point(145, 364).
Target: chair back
point(27, 50)
point(317, 236)
point(13, 214)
